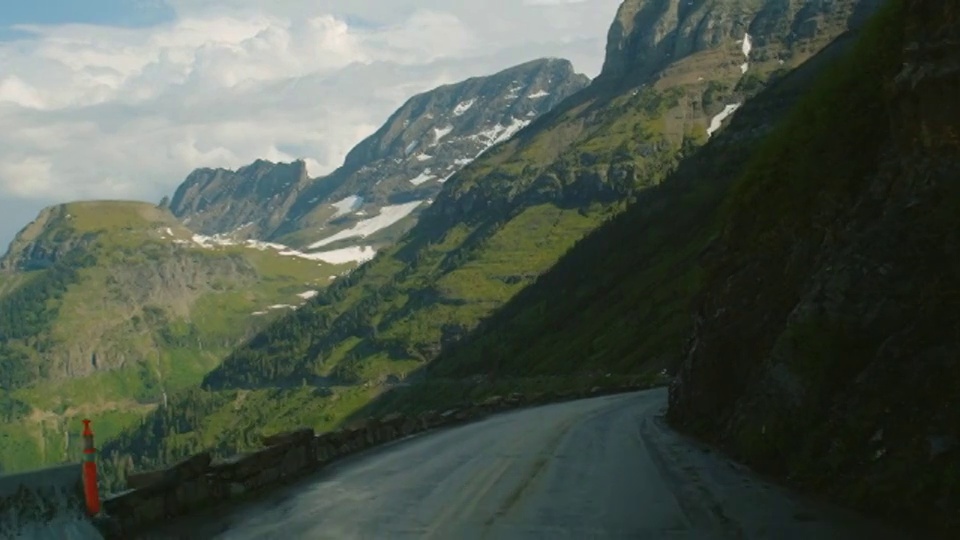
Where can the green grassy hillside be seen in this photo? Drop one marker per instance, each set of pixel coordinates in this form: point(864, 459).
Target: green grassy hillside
point(106, 307)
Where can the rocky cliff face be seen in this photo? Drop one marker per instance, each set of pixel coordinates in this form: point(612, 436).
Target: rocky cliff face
point(825, 347)
point(247, 203)
point(648, 35)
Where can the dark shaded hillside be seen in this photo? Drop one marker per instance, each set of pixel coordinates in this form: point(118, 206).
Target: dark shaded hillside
point(509, 216)
point(827, 329)
point(619, 301)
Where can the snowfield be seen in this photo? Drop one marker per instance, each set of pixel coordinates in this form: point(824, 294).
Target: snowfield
point(347, 205)
point(425, 176)
point(387, 217)
point(357, 254)
point(463, 107)
point(717, 120)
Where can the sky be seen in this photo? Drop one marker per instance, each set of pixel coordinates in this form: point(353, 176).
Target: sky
point(121, 99)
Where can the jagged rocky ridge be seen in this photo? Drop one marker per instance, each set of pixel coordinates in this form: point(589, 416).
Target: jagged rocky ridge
point(390, 175)
point(245, 202)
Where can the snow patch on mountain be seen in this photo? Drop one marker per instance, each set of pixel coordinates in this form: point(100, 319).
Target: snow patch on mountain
point(440, 133)
point(357, 254)
point(223, 241)
point(463, 107)
point(538, 94)
point(499, 133)
point(387, 217)
point(347, 205)
point(746, 47)
point(717, 121)
point(425, 176)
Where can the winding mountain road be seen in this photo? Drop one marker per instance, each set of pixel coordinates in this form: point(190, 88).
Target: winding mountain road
point(597, 468)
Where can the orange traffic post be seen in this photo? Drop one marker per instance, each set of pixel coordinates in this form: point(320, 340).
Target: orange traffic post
point(90, 491)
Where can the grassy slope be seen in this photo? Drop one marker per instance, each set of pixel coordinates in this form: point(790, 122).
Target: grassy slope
point(170, 341)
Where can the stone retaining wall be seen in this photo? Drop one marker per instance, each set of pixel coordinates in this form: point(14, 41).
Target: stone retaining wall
point(199, 482)
point(46, 503)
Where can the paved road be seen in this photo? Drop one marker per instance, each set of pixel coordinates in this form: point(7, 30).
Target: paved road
point(597, 468)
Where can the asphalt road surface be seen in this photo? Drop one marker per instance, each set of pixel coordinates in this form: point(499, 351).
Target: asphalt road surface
point(597, 468)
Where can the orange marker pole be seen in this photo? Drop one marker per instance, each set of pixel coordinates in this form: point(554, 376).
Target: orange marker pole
point(90, 491)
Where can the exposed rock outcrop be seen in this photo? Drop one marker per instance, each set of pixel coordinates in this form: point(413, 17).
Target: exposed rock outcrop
point(648, 35)
point(247, 203)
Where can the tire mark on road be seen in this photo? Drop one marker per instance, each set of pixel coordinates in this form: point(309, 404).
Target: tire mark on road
point(471, 494)
point(539, 466)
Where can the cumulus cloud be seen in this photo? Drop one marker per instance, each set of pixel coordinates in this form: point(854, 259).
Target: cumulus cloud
point(107, 112)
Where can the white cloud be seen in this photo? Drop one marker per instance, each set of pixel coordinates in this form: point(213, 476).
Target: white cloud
point(104, 112)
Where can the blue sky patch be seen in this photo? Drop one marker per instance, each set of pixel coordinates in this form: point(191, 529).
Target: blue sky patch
point(123, 13)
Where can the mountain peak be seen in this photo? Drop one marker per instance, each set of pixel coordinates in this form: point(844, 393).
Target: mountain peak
point(215, 201)
point(540, 78)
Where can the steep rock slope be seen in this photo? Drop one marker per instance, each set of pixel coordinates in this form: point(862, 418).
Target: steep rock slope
point(508, 217)
point(106, 306)
point(825, 345)
point(386, 178)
